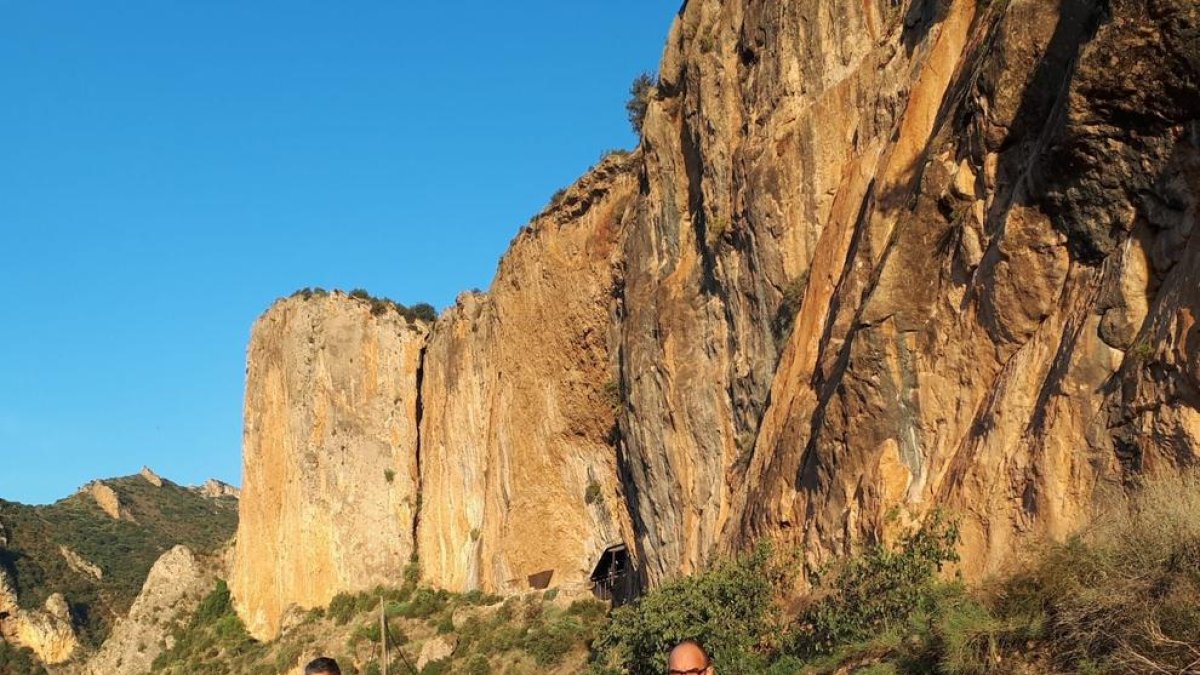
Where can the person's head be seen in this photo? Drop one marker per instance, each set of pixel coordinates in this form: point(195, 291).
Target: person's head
point(322, 666)
point(689, 658)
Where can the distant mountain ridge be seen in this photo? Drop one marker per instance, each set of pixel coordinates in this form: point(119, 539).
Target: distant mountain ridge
point(94, 549)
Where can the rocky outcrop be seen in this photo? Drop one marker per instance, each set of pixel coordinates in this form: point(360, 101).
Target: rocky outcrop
point(48, 633)
point(174, 588)
point(870, 260)
point(215, 489)
point(151, 477)
point(79, 564)
point(108, 500)
point(440, 647)
point(330, 470)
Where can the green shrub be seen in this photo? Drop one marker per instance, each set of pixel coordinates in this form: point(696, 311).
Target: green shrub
point(619, 153)
point(588, 610)
point(412, 573)
point(424, 311)
point(867, 594)
point(1142, 351)
point(549, 643)
point(478, 665)
point(437, 667)
point(341, 608)
point(368, 632)
point(728, 608)
point(360, 294)
point(423, 604)
point(593, 493)
point(366, 602)
point(287, 656)
point(640, 93)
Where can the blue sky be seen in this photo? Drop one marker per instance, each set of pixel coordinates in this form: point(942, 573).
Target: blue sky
point(169, 168)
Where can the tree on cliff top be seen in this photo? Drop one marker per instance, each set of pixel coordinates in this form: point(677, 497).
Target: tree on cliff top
point(639, 100)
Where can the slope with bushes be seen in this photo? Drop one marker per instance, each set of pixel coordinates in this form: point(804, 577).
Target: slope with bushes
point(121, 550)
point(1121, 597)
point(458, 633)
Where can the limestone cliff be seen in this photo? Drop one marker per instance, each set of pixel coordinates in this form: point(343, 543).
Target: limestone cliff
point(870, 259)
point(330, 473)
point(518, 401)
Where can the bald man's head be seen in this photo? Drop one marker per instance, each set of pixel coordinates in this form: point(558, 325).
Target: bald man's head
point(689, 658)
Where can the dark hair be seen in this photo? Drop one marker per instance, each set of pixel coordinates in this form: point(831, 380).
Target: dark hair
point(322, 666)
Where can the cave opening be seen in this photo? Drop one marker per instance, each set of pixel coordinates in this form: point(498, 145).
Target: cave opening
point(614, 578)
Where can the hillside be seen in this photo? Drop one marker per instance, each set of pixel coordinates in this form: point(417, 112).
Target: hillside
point(99, 562)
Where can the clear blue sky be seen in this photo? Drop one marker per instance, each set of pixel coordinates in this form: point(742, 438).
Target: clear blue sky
point(169, 168)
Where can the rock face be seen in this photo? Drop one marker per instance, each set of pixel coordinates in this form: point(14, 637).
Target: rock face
point(48, 633)
point(108, 500)
point(175, 586)
point(330, 473)
point(215, 489)
point(438, 648)
point(506, 467)
point(151, 477)
point(870, 259)
point(79, 564)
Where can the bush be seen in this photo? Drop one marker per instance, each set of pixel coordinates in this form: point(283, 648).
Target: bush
point(867, 594)
point(436, 667)
point(729, 609)
point(640, 93)
point(286, 657)
point(549, 643)
point(341, 608)
point(588, 610)
point(424, 604)
point(1125, 598)
point(424, 311)
point(593, 493)
point(478, 665)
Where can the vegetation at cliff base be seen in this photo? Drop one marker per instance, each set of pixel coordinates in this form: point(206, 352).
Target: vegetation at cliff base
point(214, 641)
point(1123, 597)
point(123, 549)
point(531, 633)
